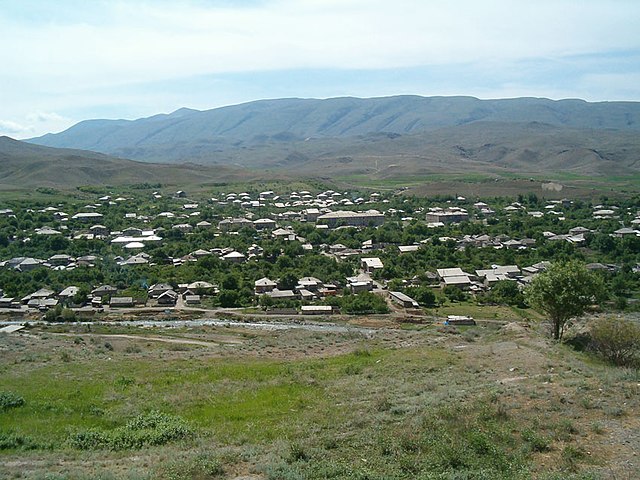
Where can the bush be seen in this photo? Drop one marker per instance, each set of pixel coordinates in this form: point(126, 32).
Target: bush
point(153, 428)
point(12, 441)
point(10, 400)
point(616, 340)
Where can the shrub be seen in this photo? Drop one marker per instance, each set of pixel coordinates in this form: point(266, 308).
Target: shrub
point(10, 400)
point(536, 442)
point(153, 428)
point(616, 340)
point(12, 441)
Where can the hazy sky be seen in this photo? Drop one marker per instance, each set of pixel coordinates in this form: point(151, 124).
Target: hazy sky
point(68, 60)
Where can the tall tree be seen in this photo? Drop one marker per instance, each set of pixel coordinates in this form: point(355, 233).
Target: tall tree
point(564, 291)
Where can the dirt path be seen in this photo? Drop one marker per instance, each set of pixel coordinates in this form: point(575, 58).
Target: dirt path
point(186, 341)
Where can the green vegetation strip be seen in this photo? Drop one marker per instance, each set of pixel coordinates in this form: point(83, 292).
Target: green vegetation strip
point(95, 403)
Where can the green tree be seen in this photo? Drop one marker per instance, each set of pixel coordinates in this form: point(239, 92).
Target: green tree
point(506, 292)
point(229, 298)
point(425, 296)
point(564, 291)
point(454, 293)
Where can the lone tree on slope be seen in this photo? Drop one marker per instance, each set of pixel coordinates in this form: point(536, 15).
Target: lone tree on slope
point(564, 291)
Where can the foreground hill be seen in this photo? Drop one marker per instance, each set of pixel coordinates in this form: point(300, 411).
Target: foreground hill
point(25, 165)
point(187, 134)
point(393, 403)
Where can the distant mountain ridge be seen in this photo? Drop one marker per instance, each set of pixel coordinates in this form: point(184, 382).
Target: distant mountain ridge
point(187, 134)
point(24, 165)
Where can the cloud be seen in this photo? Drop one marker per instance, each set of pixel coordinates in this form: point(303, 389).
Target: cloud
point(33, 124)
point(123, 42)
point(45, 117)
point(138, 57)
point(8, 127)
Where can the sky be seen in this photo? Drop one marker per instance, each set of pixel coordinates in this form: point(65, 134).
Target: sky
point(65, 61)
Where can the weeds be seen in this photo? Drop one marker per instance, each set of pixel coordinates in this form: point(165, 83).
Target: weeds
point(154, 428)
point(10, 400)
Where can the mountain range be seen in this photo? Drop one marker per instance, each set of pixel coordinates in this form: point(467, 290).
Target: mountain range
point(381, 137)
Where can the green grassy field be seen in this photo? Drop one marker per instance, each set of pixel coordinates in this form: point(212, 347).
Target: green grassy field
point(397, 404)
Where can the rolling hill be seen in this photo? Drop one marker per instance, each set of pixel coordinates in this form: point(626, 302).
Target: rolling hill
point(187, 134)
point(24, 165)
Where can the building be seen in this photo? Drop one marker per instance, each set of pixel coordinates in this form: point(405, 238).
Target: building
point(168, 298)
point(264, 285)
point(316, 309)
point(454, 276)
point(372, 264)
point(351, 218)
point(121, 302)
point(229, 224)
point(453, 215)
point(403, 300)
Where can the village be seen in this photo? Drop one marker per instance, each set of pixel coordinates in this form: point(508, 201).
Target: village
point(301, 252)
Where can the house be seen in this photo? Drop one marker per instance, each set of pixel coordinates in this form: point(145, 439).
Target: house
point(87, 260)
point(371, 264)
point(202, 287)
point(282, 294)
point(121, 302)
point(351, 218)
point(454, 276)
point(264, 285)
point(192, 299)
point(99, 230)
point(403, 300)
point(168, 297)
point(234, 257)
point(68, 293)
point(408, 248)
point(9, 302)
point(61, 259)
point(158, 289)
point(42, 303)
point(42, 293)
point(28, 264)
point(309, 283)
point(229, 224)
point(311, 214)
point(87, 216)
point(461, 281)
point(452, 215)
point(103, 291)
point(360, 283)
point(450, 272)
point(132, 232)
point(264, 224)
point(284, 234)
point(497, 273)
point(625, 232)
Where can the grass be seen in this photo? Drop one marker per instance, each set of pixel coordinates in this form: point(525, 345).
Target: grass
point(399, 404)
point(486, 312)
point(222, 396)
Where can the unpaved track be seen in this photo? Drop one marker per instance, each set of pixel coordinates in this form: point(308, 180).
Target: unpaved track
point(186, 341)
